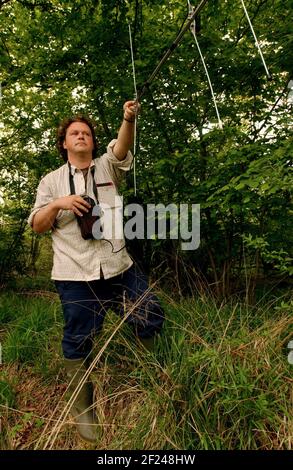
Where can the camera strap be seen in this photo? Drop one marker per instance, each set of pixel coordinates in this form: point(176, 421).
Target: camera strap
point(71, 181)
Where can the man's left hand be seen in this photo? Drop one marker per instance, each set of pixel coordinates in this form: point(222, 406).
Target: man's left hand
point(131, 109)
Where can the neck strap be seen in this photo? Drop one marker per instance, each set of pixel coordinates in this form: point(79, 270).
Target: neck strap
point(71, 181)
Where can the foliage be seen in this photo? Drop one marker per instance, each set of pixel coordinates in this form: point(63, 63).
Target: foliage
point(219, 378)
point(7, 396)
point(59, 58)
point(32, 331)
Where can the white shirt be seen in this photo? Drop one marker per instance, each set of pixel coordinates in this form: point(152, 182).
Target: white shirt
point(76, 259)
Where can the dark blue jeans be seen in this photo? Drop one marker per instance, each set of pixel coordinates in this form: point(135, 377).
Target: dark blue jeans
point(85, 305)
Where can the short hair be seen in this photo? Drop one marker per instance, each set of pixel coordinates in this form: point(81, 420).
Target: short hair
point(61, 133)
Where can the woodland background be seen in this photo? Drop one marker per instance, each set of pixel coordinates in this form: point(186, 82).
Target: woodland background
point(59, 58)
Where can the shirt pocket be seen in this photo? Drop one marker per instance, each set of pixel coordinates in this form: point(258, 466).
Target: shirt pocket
point(112, 211)
point(107, 194)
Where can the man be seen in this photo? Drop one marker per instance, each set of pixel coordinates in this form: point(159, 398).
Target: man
point(91, 275)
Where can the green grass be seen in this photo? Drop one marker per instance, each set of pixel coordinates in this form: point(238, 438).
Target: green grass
point(218, 379)
point(7, 394)
point(32, 329)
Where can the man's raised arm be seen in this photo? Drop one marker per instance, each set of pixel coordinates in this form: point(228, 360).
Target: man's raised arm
point(126, 131)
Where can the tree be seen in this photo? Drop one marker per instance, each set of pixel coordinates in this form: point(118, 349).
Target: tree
point(58, 58)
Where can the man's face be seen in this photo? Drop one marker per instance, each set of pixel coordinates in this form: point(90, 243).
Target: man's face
point(78, 139)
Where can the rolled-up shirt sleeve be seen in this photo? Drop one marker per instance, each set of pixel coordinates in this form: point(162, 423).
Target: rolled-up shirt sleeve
point(44, 197)
point(124, 164)
point(116, 167)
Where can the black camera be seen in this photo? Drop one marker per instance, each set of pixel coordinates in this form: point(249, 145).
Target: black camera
point(87, 220)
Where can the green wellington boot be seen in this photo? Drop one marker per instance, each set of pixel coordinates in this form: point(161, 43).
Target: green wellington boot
point(82, 408)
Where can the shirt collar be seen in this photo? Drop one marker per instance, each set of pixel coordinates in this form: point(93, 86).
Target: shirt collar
point(74, 169)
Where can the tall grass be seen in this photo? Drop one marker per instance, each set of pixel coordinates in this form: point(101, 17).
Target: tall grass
point(32, 329)
point(218, 379)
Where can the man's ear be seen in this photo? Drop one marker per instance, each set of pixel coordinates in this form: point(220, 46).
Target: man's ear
point(64, 145)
